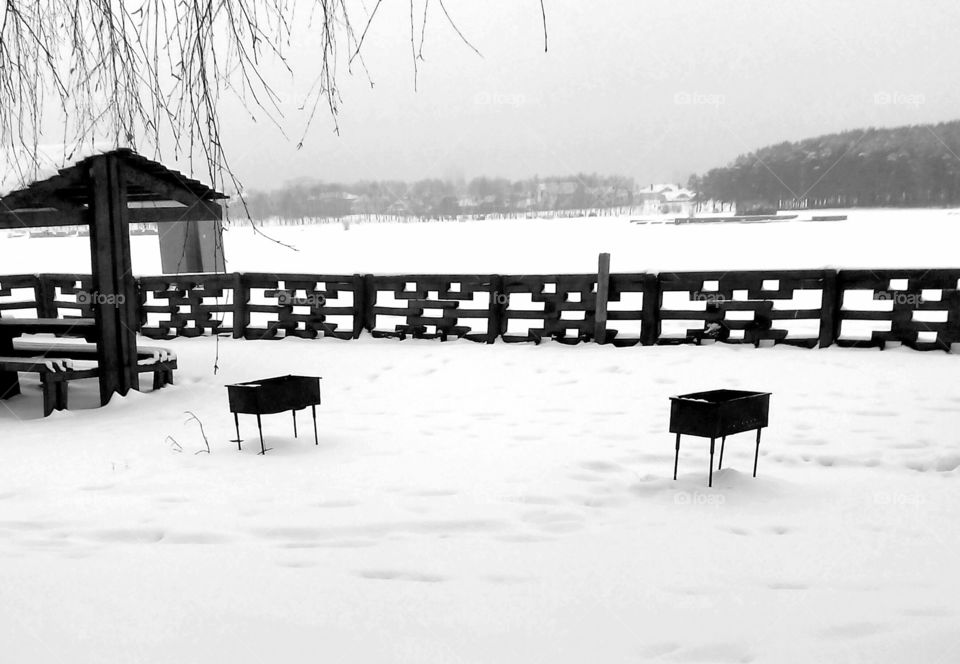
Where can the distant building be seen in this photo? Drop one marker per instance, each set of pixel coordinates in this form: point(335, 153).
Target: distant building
point(665, 199)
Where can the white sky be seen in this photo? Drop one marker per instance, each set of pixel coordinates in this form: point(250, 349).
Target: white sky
point(646, 88)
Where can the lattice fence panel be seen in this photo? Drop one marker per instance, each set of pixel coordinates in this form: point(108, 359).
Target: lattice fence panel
point(302, 305)
point(917, 308)
point(434, 306)
point(559, 307)
point(188, 305)
point(782, 307)
point(67, 295)
point(631, 313)
point(19, 296)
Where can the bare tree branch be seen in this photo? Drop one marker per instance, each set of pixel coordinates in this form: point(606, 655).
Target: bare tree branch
point(147, 74)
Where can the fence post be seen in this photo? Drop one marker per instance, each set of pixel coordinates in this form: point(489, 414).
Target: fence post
point(359, 304)
point(603, 293)
point(650, 328)
point(498, 305)
point(44, 295)
point(369, 302)
point(241, 296)
point(830, 304)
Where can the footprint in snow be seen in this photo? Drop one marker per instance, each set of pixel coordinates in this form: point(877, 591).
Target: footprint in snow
point(601, 466)
point(714, 652)
point(854, 630)
point(395, 575)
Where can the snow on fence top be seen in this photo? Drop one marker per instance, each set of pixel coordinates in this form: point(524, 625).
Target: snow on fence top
point(808, 308)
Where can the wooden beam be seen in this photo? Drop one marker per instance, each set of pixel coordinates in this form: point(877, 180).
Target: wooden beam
point(42, 218)
point(80, 217)
point(161, 187)
point(37, 198)
point(163, 215)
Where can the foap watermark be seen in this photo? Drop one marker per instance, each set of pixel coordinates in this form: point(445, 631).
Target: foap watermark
point(898, 498)
point(899, 297)
point(699, 498)
point(486, 98)
point(886, 98)
point(94, 298)
point(685, 98)
point(500, 298)
point(288, 299)
point(709, 298)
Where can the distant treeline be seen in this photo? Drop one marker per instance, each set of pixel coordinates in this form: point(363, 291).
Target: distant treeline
point(905, 166)
point(442, 198)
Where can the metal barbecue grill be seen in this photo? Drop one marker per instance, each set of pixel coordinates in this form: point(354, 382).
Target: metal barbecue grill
point(717, 414)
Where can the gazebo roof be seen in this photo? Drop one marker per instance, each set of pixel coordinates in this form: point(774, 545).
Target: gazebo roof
point(157, 193)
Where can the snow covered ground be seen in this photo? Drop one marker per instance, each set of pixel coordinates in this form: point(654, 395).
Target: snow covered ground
point(496, 503)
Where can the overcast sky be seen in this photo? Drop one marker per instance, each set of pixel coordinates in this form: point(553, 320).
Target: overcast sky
point(649, 89)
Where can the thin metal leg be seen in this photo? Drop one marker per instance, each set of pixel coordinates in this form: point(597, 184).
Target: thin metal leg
point(263, 450)
point(676, 459)
point(236, 423)
point(710, 481)
point(723, 442)
point(294, 423)
point(316, 440)
point(757, 454)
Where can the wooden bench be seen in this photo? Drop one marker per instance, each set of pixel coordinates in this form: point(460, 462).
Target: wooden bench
point(54, 374)
point(55, 365)
point(150, 359)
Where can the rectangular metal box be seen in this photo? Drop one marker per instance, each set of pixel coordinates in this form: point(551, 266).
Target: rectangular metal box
point(717, 413)
point(274, 395)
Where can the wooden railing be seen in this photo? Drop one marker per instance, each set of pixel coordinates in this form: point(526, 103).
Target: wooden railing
point(809, 308)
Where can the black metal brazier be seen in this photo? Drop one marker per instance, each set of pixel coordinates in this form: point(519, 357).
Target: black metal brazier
point(717, 414)
point(274, 395)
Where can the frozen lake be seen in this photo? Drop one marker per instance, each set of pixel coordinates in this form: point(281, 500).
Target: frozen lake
point(868, 239)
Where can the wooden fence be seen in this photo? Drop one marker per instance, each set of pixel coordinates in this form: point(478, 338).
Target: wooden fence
point(808, 308)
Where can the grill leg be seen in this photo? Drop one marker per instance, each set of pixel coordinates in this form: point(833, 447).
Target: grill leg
point(294, 423)
point(757, 453)
point(236, 423)
point(723, 442)
point(710, 481)
point(263, 450)
point(676, 459)
point(316, 440)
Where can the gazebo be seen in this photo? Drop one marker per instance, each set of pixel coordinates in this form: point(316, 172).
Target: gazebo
point(107, 192)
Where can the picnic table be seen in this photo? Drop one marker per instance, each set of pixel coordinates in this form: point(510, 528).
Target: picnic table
point(55, 362)
point(53, 373)
point(11, 328)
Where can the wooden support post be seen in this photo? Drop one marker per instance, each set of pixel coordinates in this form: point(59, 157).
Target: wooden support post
point(45, 297)
point(603, 293)
point(113, 289)
point(830, 305)
point(369, 302)
point(650, 329)
point(241, 298)
point(359, 304)
point(499, 301)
